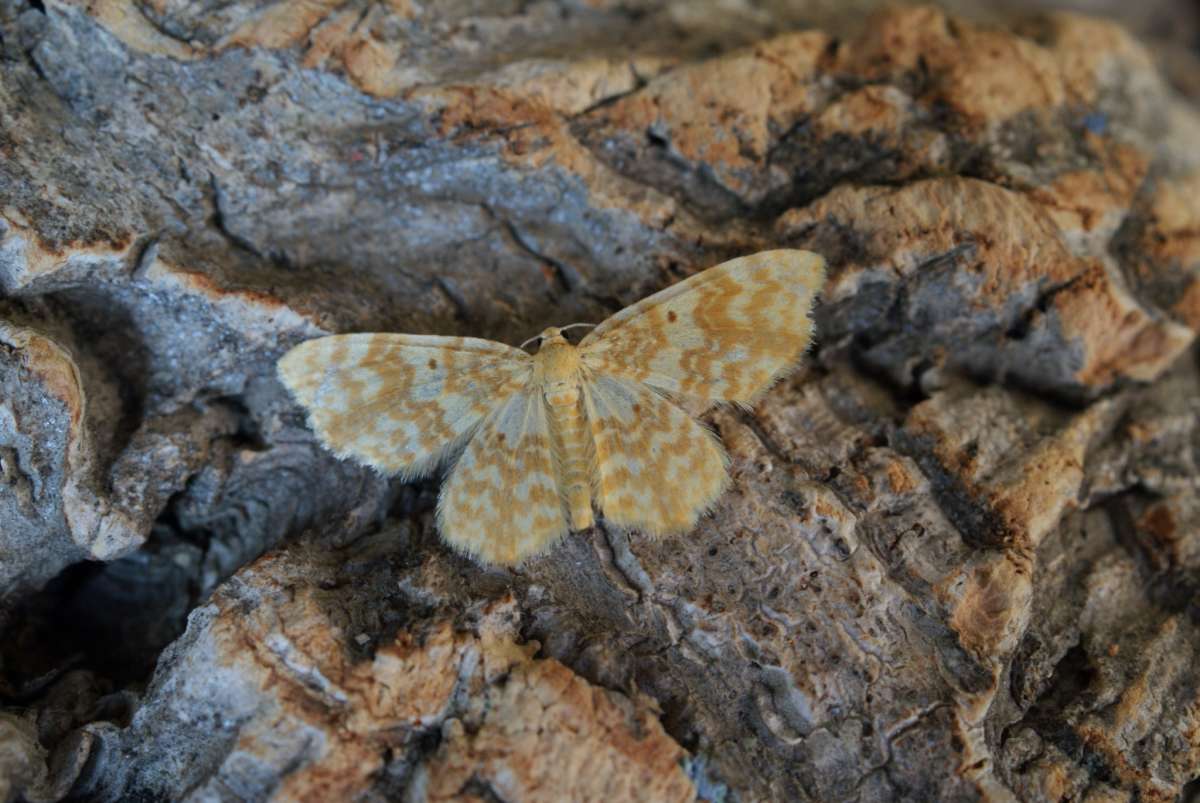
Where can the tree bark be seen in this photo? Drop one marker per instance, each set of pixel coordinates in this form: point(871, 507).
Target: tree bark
point(960, 555)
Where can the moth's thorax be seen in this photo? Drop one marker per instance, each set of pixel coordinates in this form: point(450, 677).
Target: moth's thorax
point(556, 368)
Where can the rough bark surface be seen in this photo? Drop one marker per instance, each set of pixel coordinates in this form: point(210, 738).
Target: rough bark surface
point(961, 553)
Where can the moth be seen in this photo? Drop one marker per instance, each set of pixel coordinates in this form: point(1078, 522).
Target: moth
point(536, 441)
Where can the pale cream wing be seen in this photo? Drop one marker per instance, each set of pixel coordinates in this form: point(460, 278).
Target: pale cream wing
point(502, 502)
point(725, 334)
point(400, 403)
point(657, 469)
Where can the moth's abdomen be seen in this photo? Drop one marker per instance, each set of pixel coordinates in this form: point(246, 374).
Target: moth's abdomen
point(575, 443)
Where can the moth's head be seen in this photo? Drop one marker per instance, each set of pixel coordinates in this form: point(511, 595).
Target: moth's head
point(551, 334)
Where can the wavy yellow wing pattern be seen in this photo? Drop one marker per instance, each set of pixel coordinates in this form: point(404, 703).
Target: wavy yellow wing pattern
point(543, 437)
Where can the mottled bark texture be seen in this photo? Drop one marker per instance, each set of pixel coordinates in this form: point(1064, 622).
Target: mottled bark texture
point(960, 556)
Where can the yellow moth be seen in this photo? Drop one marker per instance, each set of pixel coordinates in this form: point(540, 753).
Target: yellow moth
point(536, 440)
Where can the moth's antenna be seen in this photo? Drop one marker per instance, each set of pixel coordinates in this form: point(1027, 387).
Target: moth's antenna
point(530, 340)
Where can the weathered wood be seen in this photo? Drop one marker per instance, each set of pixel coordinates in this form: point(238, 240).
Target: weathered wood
point(960, 556)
